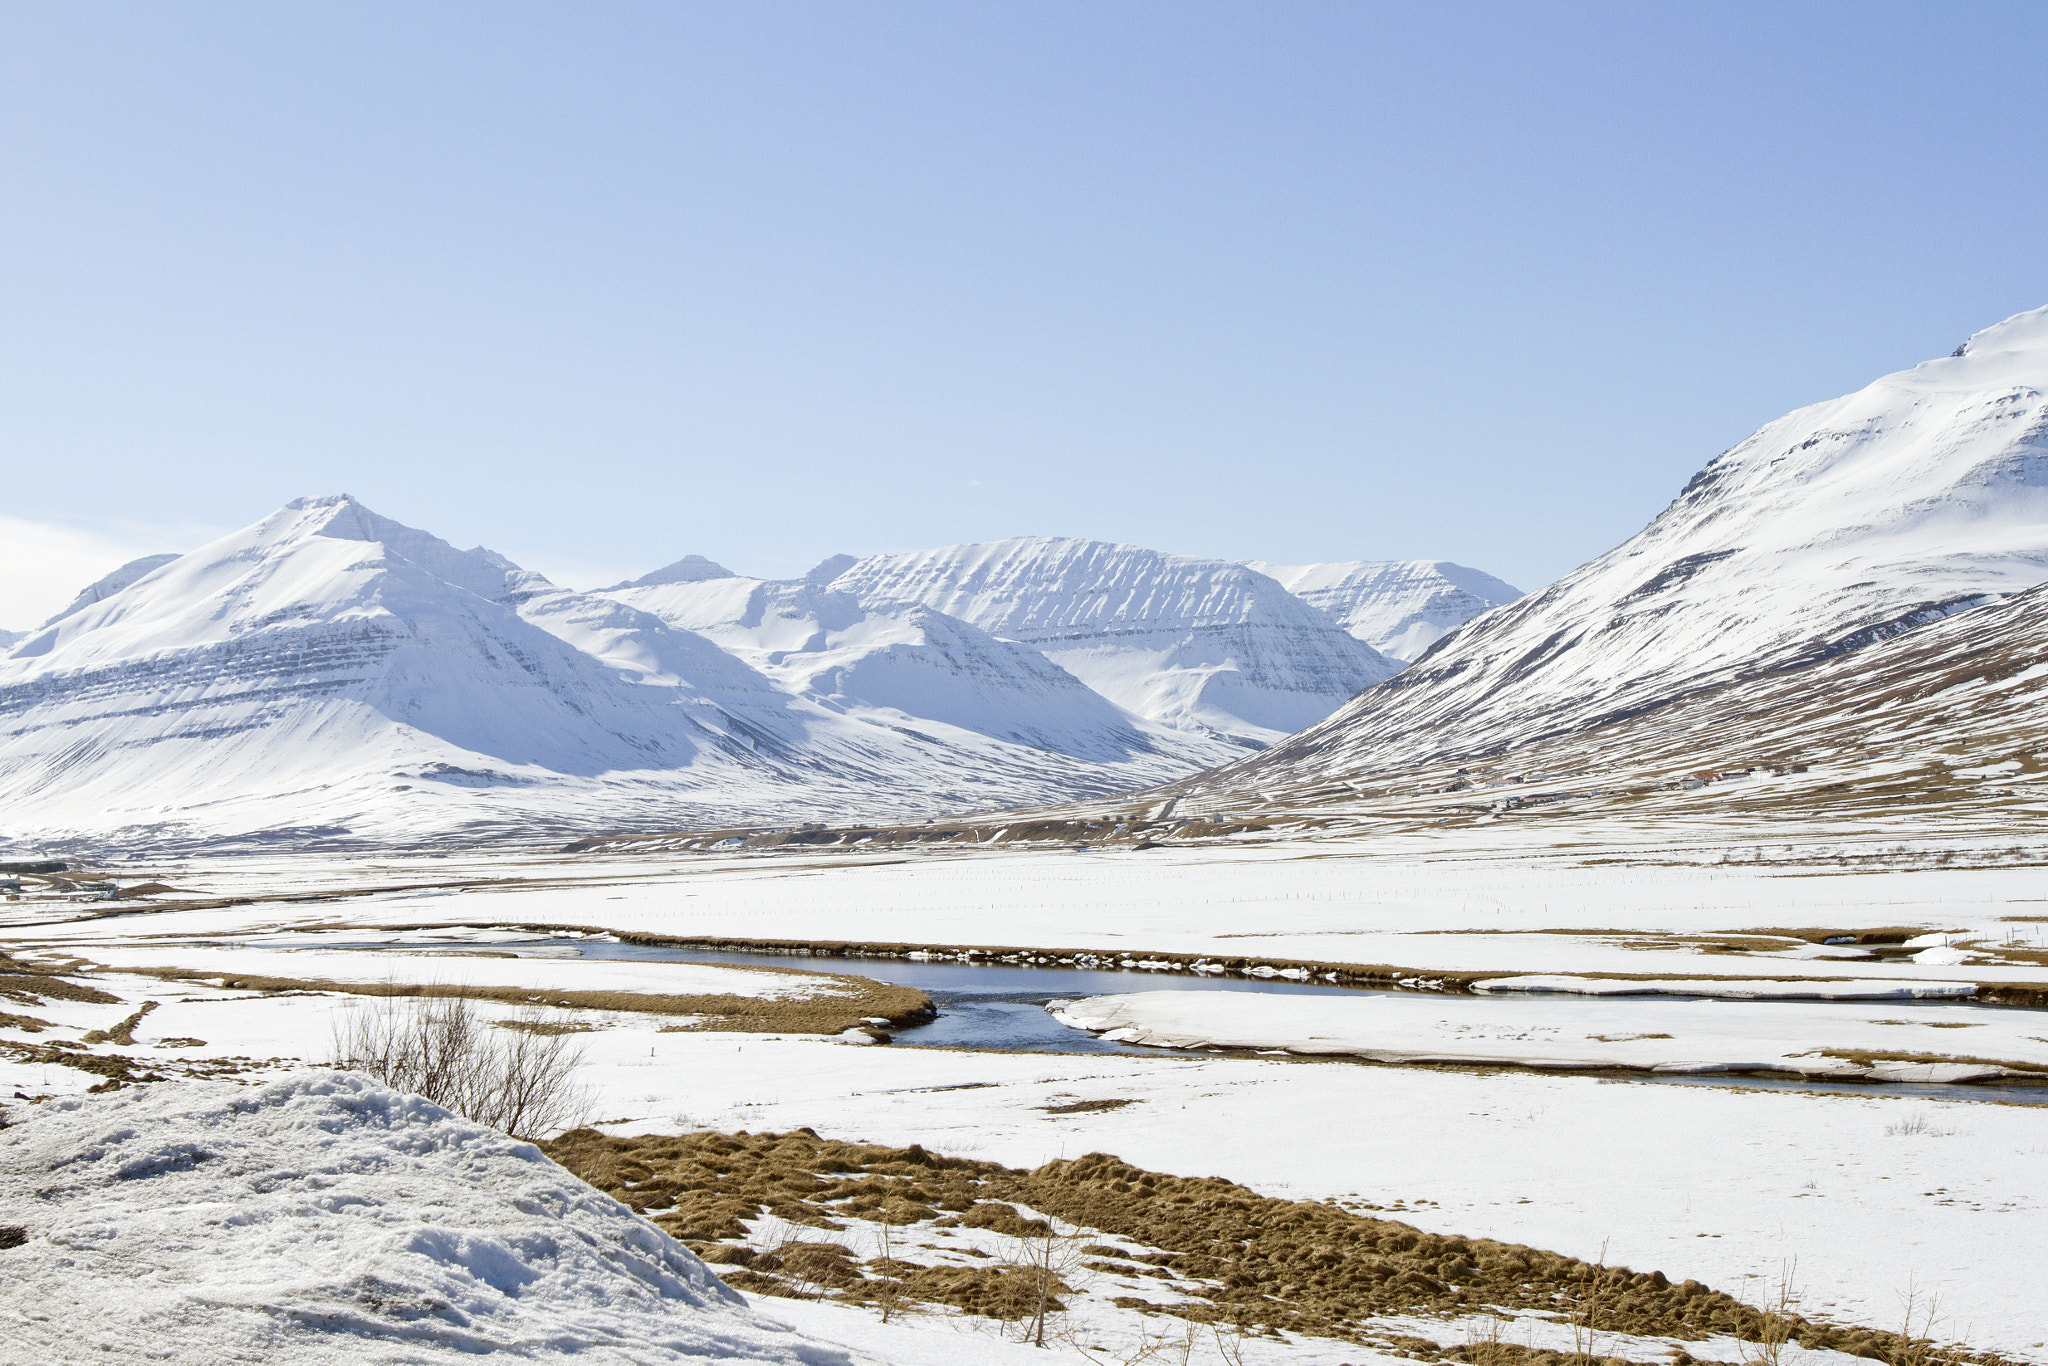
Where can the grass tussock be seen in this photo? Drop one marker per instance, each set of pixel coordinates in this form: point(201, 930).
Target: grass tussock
point(122, 1033)
point(1249, 1262)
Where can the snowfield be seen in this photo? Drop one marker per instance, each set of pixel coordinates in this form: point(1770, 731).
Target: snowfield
point(1686, 1037)
point(1875, 1190)
point(326, 1218)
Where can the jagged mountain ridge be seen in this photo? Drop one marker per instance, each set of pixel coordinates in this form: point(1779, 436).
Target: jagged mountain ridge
point(1197, 644)
point(1838, 526)
point(1399, 607)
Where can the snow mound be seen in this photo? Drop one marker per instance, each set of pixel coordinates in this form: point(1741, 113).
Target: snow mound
point(325, 1217)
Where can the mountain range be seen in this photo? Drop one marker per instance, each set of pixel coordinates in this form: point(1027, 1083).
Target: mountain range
point(329, 674)
point(1859, 576)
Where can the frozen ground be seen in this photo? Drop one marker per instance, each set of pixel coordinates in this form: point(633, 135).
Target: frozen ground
point(1873, 1193)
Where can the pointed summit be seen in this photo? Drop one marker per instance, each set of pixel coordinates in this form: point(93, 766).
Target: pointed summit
point(689, 569)
point(828, 569)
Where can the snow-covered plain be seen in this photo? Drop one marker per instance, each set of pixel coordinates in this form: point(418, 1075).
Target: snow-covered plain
point(1680, 1037)
point(1873, 1190)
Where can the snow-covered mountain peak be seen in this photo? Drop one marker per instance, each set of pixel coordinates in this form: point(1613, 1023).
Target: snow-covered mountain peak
point(689, 569)
point(1032, 587)
point(1399, 607)
point(2018, 335)
point(829, 568)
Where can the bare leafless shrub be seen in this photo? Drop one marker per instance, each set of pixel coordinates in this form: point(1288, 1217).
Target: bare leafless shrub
point(1487, 1340)
point(516, 1080)
point(1778, 1321)
point(1043, 1256)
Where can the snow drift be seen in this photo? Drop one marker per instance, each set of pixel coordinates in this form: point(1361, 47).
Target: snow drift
point(325, 1218)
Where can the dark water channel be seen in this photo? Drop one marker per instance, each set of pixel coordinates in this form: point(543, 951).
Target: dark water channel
point(1002, 1005)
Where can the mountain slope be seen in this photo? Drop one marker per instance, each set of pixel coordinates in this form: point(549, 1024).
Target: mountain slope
point(1200, 645)
point(1399, 607)
point(1837, 526)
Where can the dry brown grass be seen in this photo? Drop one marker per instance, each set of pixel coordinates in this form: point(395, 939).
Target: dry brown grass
point(547, 1028)
point(30, 987)
point(843, 1003)
point(1086, 1107)
point(1251, 1262)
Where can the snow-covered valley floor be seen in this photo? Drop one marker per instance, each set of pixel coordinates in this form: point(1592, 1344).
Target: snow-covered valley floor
point(1878, 1194)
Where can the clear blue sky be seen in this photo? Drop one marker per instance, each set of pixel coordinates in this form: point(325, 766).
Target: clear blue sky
point(599, 284)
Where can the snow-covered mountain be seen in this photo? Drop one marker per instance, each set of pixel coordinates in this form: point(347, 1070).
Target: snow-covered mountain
point(328, 672)
point(1200, 645)
point(1834, 527)
point(1399, 607)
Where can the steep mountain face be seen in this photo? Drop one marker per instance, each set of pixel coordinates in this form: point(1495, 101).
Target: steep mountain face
point(1835, 527)
point(1199, 645)
point(1399, 607)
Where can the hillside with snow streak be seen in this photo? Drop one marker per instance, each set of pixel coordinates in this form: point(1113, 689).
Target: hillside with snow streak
point(1836, 527)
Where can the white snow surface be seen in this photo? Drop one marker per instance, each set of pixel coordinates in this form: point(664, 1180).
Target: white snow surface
point(1399, 607)
point(323, 1217)
point(1669, 1036)
point(1922, 494)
